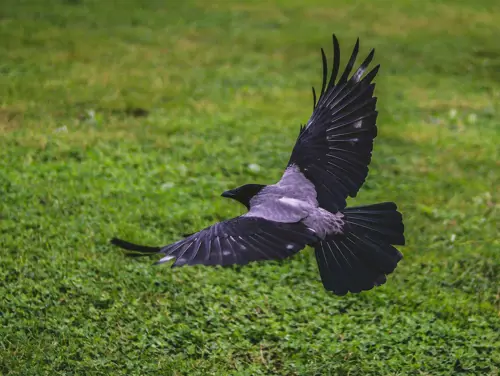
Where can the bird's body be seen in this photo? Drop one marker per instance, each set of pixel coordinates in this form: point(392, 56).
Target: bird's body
point(293, 199)
point(307, 206)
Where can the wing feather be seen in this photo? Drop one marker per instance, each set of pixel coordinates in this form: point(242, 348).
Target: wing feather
point(237, 241)
point(334, 148)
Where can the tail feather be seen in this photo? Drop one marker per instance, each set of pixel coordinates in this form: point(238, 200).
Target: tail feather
point(363, 255)
point(381, 221)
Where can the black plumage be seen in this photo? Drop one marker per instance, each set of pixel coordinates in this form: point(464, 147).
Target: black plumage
point(307, 206)
point(334, 149)
point(360, 258)
point(236, 241)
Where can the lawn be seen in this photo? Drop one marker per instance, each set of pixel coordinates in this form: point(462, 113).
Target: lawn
point(129, 118)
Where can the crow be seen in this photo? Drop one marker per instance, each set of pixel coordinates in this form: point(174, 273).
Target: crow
point(354, 246)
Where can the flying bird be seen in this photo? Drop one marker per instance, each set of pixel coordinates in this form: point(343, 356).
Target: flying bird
point(354, 246)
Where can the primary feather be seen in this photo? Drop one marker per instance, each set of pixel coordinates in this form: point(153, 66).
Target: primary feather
point(334, 148)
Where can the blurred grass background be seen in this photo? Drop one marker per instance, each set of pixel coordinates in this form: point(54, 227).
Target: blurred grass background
point(131, 117)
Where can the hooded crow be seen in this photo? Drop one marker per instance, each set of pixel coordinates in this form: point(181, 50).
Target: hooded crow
point(354, 247)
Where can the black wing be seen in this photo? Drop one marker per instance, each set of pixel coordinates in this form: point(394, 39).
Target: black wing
point(236, 241)
point(334, 149)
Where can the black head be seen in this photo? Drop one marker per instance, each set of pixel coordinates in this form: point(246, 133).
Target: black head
point(244, 193)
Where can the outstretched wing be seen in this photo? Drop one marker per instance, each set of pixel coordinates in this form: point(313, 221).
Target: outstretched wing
point(236, 241)
point(334, 148)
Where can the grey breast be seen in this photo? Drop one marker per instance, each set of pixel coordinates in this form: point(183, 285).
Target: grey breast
point(293, 199)
point(290, 200)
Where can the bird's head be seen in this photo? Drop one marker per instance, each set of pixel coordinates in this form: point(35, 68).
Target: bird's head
point(244, 193)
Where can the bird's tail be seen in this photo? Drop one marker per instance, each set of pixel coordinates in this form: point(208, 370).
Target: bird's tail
point(360, 258)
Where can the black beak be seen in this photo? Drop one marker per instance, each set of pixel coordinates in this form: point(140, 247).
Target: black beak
point(227, 194)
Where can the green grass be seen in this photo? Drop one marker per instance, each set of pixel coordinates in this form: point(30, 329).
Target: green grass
point(224, 85)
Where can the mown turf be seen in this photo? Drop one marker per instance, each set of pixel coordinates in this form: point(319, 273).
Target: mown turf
point(130, 118)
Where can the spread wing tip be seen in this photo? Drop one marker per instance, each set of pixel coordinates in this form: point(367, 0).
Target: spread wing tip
point(138, 249)
point(326, 87)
